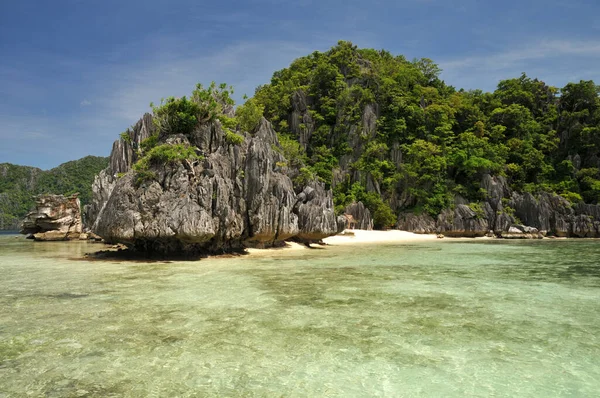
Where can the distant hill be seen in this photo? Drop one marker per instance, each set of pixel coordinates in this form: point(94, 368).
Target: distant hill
point(19, 184)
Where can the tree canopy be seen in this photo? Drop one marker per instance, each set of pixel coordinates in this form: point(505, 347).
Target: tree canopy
point(430, 141)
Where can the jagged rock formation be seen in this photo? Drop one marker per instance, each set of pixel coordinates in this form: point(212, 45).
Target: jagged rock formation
point(461, 221)
point(234, 197)
point(122, 157)
point(521, 232)
point(55, 217)
point(390, 133)
point(510, 214)
point(361, 216)
point(417, 223)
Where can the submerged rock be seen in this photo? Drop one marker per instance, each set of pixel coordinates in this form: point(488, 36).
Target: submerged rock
point(236, 196)
point(55, 217)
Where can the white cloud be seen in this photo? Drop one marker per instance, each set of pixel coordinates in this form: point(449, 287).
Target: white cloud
point(560, 60)
point(243, 65)
point(541, 50)
point(126, 91)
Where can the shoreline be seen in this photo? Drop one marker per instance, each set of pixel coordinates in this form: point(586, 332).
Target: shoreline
point(359, 236)
point(353, 237)
point(366, 237)
point(346, 238)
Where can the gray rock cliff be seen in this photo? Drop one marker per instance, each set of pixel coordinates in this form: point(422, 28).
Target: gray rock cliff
point(122, 157)
point(234, 197)
point(361, 215)
point(510, 214)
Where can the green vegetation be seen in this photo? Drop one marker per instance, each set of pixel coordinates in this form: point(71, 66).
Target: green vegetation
point(19, 185)
point(249, 115)
point(233, 138)
point(176, 115)
point(160, 155)
point(378, 128)
point(181, 116)
point(403, 139)
point(292, 151)
point(149, 143)
point(212, 100)
point(126, 137)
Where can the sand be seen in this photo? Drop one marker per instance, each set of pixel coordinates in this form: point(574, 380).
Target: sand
point(352, 237)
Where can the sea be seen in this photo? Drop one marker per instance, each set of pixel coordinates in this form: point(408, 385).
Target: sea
point(441, 318)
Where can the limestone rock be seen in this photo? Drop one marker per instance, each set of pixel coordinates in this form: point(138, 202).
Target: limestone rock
point(361, 216)
point(511, 215)
point(518, 231)
point(585, 226)
point(420, 224)
point(55, 217)
point(236, 196)
point(122, 157)
point(462, 221)
point(301, 122)
point(547, 212)
point(341, 224)
point(316, 219)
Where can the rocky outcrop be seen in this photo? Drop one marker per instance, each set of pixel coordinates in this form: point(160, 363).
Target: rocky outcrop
point(518, 231)
point(301, 122)
point(55, 217)
point(510, 214)
point(361, 216)
point(234, 197)
point(462, 221)
point(122, 157)
point(417, 223)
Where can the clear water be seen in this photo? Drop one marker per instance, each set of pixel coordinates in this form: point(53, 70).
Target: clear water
point(434, 319)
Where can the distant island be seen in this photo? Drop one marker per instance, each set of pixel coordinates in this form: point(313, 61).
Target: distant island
point(360, 132)
point(20, 184)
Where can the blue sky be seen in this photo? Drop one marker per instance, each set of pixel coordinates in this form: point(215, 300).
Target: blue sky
point(76, 73)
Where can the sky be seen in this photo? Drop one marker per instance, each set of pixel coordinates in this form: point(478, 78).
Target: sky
point(76, 73)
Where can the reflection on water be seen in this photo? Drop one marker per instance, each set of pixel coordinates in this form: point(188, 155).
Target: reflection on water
point(443, 318)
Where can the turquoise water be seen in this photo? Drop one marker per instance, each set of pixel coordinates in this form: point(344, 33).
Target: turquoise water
point(433, 319)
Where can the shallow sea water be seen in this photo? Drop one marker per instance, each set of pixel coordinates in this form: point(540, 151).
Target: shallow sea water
point(419, 319)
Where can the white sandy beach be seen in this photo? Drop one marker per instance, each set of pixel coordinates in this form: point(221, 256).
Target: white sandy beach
point(356, 236)
point(353, 236)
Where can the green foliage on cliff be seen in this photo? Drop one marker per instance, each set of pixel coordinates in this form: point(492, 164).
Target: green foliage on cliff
point(169, 154)
point(212, 100)
point(19, 185)
point(176, 115)
point(182, 116)
point(391, 127)
point(233, 138)
point(160, 155)
point(249, 115)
